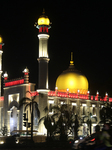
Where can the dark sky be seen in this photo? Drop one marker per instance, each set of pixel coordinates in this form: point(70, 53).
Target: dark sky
point(83, 27)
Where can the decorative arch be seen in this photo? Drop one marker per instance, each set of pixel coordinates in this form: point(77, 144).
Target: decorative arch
point(13, 103)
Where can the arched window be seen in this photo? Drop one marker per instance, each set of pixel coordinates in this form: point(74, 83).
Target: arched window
point(47, 30)
point(50, 107)
point(94, 111)
point(11, 113)
point(74, 109)
point(40, 29)
point(84, 110)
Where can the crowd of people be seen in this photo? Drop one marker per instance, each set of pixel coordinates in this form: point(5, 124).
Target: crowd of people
point(103, 139)
point(100, 140)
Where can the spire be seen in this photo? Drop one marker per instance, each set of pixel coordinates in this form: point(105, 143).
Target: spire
point(26, 75)
point(5, 76)
point(43, 11)
point(1, 51)
point(71, 62)
point(26, 70)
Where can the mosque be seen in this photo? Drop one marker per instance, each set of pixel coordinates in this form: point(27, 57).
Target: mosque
point(71, 88)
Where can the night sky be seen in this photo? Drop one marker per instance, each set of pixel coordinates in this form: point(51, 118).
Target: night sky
point(81, 27)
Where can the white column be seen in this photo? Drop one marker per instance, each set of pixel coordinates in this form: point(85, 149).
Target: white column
point(18, 120)
point(0, 68)
point(8, 121)
point(0, 118)
point(43, 45)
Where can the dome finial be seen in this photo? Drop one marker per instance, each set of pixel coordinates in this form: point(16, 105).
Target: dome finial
point(43, 11)
point(71, 62)
point(71, 55)
point(26, 70)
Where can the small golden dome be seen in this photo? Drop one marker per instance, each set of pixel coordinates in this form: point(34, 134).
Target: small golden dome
point(43, 20)
point(73, 80)
point(1, 40)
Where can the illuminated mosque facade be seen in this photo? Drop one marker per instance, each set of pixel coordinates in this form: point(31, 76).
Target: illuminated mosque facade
point(71, 88)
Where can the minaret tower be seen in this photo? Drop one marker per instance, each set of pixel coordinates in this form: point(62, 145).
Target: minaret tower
point(43, 25)
point(26, 75)
point(1, 44)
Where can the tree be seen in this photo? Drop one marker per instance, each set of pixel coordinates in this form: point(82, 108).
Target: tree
point(4, 130)
point(64, 121)
point(49, 123)
point(76, 125)
point(67, 121)
point(106, 113)
point(62, 117)
point(88, 119)
point(30, 103)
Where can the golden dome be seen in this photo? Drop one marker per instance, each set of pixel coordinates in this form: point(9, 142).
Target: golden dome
point(73, 80)
point(43, 20)
point(1, 39)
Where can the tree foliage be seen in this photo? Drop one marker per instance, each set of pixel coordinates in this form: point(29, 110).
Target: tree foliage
point(4, 130)
point(49, 123)
point(89, 119)
point(76, 125)
point(31, 103)
point(63, 122)
point(67, 121)
point(106, 113)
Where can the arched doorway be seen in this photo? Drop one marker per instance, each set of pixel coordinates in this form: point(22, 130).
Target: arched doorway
point(13, 119)
point(14, 116)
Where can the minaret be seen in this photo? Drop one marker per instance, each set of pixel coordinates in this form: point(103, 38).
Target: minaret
point(1, 44)
point(43, 25)
point(26, 75)
point(5, 76)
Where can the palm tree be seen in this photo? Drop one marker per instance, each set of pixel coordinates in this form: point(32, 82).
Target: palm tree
point(106, 113)
point(76, 125)
point(30, 103)
point(103, 116)
point(89, 120)
point(66, 120)
point(49, 123)
point(62, 122)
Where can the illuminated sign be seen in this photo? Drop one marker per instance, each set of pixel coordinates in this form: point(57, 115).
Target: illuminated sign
point(12, 83)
